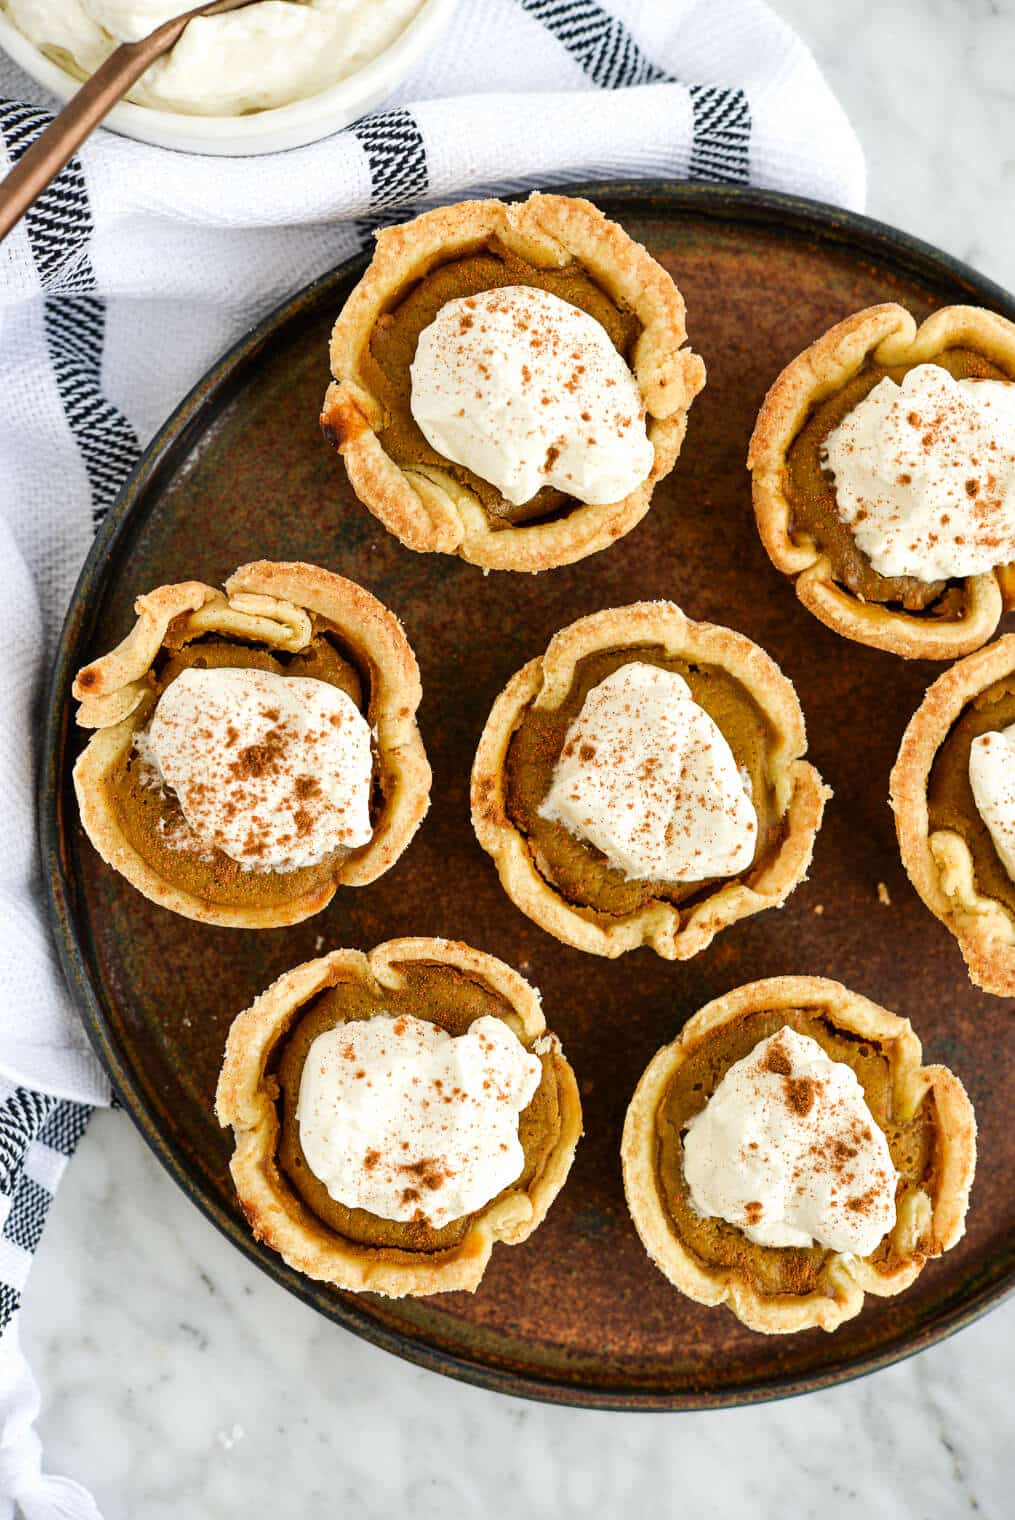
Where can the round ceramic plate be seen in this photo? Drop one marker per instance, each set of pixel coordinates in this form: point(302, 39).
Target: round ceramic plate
point(578, 1314)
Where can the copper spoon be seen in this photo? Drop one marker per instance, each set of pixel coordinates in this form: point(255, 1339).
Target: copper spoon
point(39, 166)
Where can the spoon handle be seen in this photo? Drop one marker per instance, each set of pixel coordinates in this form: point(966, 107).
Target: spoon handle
point(42, 162)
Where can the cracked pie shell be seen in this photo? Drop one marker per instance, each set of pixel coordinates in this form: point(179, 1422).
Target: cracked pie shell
point(675, 929)
point(940, 858)
point(782, 1290)
point(427, 502)
point(967, 611)
point(249, 1100)
point(271, 612)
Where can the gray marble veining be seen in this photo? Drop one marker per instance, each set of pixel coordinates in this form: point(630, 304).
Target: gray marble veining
point(178, 1381)
point(930, 89)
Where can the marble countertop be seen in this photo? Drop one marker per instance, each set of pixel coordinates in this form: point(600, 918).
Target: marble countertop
point(178, 1380)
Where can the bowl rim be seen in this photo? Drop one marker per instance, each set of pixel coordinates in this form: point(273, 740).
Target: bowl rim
point(832, 226)
point(343, 99)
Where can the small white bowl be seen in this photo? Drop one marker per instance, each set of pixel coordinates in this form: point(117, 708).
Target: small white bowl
point(292, 126)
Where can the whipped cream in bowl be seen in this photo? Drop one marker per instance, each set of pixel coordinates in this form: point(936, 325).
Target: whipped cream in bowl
point(400, 1118)
point(273, 771)
point(787, 1150)
point(648, 778)
point(528, 391)
point(925, 475)
point(274, 75)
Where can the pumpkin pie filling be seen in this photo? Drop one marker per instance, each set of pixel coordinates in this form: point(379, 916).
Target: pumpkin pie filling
point(717, 1245)
point(447, 998)
point(150, 815)
point(385, 363)
point(810, 490)
point(950, 802)
point(574, 867)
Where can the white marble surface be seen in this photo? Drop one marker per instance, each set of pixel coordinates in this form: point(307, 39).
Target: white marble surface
point(178, 1381)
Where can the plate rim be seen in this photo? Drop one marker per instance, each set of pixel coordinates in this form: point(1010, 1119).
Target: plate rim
point(738, 204)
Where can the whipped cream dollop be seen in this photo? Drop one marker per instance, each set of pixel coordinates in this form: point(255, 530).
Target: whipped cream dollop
point(398, 1117)
point(787, 1149)
point(275, 771)
point(647, 777)
point(992, 779)
point(528, 391)
point(266, 55)
point(925, 474)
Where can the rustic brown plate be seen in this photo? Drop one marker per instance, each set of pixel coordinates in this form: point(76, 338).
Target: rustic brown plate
point(579, 1314)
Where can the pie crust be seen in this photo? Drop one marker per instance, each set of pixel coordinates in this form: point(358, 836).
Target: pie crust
point(940, 864)
point(428, 509)
point(930, 1223)
point(246, 1099)
point(888, 335)
point(674, 931)
point(278, 605)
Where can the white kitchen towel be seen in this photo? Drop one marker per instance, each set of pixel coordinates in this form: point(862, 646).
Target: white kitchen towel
point(139, 266)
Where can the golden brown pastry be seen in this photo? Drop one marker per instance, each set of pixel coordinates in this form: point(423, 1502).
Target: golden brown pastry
point(596, 298)
point(795, 1111)
point(956, 735)
point(372, 1153)
point(811, 520)
point(643, 782)
point(254, 748)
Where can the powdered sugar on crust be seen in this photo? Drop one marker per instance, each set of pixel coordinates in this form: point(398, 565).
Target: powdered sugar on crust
point(398, 1117)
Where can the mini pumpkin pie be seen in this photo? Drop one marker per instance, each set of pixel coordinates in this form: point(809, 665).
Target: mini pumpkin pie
point(788, 1153)
point(510, 381)
point(883, 466)
point(953, 793)
point(396, 1114)
point(642, 782)
point(254, 748)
